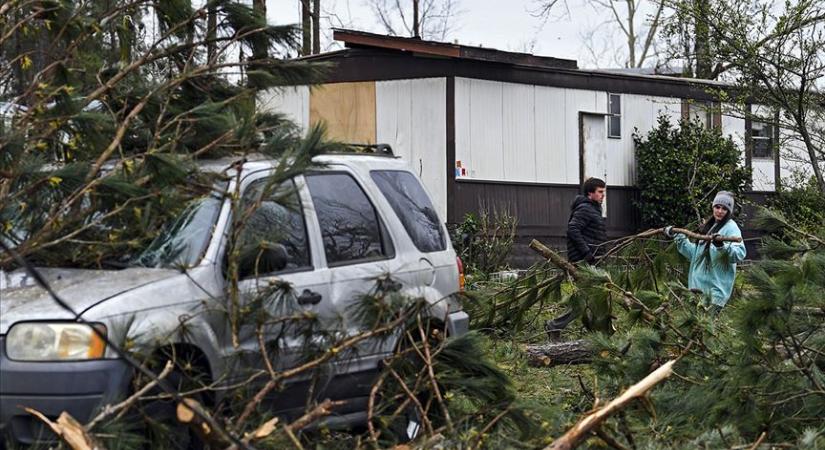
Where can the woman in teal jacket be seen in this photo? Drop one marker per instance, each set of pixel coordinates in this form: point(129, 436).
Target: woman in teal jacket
point(715, 281)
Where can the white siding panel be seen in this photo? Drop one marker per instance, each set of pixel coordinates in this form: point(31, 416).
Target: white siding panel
point(734, 127)
point(576, 100)
point(411, 116)
point(550, 135)
point(486, 130)
point(671, 107)
point(638, 115)
point(393, 123)
point(290, 101)
point(429, 137)
point(763, 175)
point(638, 112)
point(463, 119)
point(794, 157)
point(518, 132)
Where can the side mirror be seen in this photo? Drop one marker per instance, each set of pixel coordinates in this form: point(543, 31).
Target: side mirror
point(266, 257)
point(273, 257)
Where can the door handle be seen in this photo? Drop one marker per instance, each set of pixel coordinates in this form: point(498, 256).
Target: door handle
point(309, 298)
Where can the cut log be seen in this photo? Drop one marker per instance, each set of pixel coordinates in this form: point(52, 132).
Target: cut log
point(560, 353)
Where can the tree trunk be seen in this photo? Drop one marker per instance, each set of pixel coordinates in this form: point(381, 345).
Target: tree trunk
point(702, 39)
point(558, 354)
point(416, 23)
point(809, 145)
point(306, 28)
point(631, 35)
point(259, 51)
point(211, 32)
point(316, 27)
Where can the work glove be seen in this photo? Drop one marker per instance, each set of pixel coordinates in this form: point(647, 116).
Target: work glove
point(669, 232)
point(716, 242)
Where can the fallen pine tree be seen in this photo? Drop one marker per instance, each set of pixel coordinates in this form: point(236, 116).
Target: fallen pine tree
point(751, 377)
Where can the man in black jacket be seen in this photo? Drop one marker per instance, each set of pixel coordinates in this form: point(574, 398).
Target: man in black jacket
point(585, 228)
point(585, 234)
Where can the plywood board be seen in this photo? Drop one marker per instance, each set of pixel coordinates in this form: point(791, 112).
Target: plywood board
point(347, 109)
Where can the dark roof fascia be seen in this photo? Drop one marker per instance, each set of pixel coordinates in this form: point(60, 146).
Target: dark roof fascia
point(362, 64)
point(362, 39)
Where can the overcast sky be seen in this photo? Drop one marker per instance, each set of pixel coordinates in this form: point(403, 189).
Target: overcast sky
point(501, 24)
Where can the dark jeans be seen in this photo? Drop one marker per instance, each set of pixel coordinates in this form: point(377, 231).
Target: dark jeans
point(561, 322)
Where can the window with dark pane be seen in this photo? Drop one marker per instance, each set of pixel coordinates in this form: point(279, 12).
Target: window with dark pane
point(273, 217)
point(614, 118)
point(349, 223)
point(762, 138)
point(413, 207)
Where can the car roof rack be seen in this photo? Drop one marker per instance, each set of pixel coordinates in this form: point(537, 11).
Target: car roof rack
point(377, 149)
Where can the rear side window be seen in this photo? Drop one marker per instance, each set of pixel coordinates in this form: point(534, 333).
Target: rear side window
point(412, 205)
point(350, 226)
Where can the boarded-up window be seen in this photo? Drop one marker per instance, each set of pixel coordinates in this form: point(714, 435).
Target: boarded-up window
point(348, 109)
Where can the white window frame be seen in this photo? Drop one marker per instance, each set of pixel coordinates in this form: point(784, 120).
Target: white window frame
point(610, 115)
point(769, 138)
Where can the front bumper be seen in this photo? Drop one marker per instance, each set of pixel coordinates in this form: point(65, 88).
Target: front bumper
point(77, 387)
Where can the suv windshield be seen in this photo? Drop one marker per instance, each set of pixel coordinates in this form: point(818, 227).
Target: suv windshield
point(183, 243)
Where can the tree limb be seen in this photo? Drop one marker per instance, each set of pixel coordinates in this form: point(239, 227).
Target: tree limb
point(590, 422)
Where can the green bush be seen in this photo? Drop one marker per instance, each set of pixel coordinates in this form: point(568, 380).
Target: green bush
point(802, 203)
point(680, 169)
point(484, 241)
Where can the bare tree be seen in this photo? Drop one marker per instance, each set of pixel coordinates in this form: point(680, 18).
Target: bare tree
point(310, 27)
point(306, 27)
point(428, 19)
point(775, 55)
point(688, 40)
point(627, 17)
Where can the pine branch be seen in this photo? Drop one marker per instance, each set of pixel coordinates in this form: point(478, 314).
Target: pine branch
point(573, 437)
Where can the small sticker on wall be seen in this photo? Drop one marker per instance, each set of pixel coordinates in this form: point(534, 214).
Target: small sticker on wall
point(460, 171)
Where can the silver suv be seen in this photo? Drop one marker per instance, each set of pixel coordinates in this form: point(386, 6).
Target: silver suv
point(357, 218)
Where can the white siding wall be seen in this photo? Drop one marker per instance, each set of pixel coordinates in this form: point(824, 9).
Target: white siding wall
point(515, 132)
point(291, 101)
point(551, 150)
point(576, 100)
point(518, 135)
point(411, 116)
point(734, 127)
point(794, 157)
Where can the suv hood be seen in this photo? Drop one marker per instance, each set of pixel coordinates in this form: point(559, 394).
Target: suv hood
point(21, 299)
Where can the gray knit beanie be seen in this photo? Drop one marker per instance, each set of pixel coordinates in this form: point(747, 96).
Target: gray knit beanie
point(725, 199)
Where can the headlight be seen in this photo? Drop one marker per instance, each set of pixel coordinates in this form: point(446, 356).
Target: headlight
point(37, 341)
